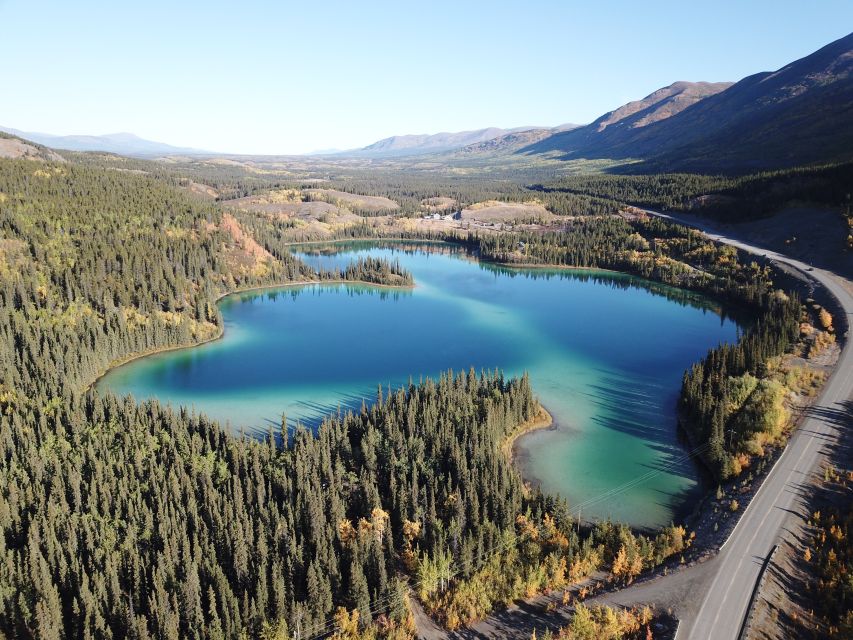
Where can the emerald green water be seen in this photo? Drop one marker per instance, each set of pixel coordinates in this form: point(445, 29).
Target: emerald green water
point(605, 353)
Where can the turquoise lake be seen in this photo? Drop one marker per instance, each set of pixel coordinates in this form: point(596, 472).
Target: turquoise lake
point(605, 353)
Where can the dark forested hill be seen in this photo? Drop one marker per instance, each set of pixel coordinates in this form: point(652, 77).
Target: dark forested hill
point(799, 114)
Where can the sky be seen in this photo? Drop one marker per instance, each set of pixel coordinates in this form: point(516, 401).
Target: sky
point(294, 77)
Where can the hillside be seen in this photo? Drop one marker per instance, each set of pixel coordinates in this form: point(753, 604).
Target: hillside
point(513, 141)
point(404, 145)
point(122, 143)
point(619, 127)
point(800, 114)
point(14, 147)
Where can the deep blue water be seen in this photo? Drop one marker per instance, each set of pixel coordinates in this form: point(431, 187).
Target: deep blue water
point(605, 352)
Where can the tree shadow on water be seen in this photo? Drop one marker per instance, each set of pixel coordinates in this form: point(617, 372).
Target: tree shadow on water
point(310, 414)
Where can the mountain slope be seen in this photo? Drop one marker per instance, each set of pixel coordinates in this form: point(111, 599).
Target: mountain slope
point(510, 142)
point(405, 145)
point(121, 143)
point(619, 127)
point(800, 114)
point(15, 147)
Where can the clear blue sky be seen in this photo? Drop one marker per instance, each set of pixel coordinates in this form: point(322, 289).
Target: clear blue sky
point(290, 77)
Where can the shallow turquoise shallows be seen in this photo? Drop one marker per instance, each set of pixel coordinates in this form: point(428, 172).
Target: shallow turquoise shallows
point(605, 353)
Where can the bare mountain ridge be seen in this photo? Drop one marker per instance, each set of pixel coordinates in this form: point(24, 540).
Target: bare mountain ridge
point(615, 126)
point(510, 142)
point(449, 141)
point(429, 143)
point(660, 104)
point(799, 114)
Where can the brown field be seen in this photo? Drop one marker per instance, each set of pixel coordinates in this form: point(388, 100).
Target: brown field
point(421, 225)
point(285, 209)
point(307, 221)
point(206, 192)
point(341, 198)
point(438, 204)
point(14, 148)
point(317, 230)
point(508, 212)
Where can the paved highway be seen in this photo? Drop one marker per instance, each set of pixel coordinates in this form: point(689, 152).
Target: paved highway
point(711, 598)
point(738, 564)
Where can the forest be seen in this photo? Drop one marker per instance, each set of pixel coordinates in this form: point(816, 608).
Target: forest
point(603, 622)
point(97, 265)
point(729, 198)
point(829, 552)
point(570, 192)
point(134, 520)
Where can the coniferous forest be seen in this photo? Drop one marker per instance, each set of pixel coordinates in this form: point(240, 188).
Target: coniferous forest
point(134, 520)
point(126, 520)
point(300, 351)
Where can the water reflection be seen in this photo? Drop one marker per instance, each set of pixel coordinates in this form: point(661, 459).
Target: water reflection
point(605, 353)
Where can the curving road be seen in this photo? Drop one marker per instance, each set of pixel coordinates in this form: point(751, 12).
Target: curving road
point(737, 566)
point(711, 598)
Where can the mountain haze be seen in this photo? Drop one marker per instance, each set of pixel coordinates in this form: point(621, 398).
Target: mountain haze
point(514, 141)
point(121, 143)
point(404, 145)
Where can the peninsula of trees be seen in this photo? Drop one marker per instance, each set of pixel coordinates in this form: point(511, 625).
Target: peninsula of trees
point(135, 520)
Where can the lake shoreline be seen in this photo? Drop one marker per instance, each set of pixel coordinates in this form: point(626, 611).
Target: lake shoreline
point(538, 266)
point(265, 287)
point(556, 267)
point(115, 364)
point(542, 420)
point(512, 445)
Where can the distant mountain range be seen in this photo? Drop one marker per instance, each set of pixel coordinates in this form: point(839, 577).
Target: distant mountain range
point(408, 145)
point(126, 144)
point(800, 114)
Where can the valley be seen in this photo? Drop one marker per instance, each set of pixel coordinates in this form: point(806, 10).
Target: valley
point(555, 381)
